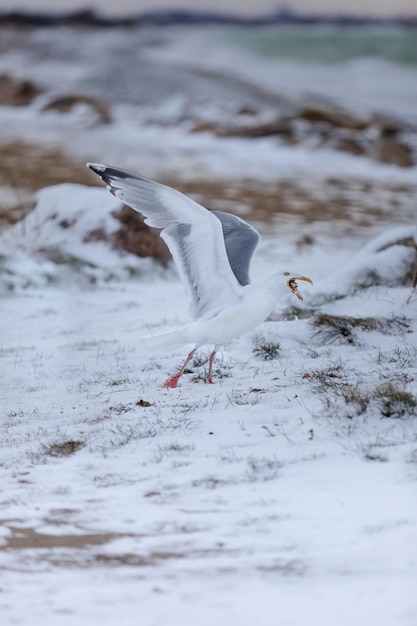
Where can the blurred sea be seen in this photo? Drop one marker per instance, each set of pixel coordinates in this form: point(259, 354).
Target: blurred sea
point(328, 44)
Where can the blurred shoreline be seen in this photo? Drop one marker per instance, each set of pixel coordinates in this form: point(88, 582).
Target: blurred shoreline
point(168, 17)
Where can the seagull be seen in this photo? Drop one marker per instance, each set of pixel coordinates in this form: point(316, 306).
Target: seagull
point(212, 251)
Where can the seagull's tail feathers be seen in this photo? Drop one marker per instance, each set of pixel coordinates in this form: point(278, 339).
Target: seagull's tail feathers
point(172, 338)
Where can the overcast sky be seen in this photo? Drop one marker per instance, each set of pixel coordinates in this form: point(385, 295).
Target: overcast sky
point(370, 7)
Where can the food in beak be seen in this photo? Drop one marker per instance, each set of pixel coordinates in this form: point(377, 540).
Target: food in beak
point(293, 287)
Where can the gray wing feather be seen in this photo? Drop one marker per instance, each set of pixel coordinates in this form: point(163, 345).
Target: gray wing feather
point(193, 234)
point(138, 192)
point(241, 241)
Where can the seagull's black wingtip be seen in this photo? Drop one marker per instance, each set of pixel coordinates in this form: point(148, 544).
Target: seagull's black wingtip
point(107, 172)
point(98, 168)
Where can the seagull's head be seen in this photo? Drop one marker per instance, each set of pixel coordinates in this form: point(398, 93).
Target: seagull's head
point(291, 279)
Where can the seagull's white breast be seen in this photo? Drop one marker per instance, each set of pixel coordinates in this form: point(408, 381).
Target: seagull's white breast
point(233, 321)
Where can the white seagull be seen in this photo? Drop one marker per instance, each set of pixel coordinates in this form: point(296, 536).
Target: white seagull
point(212, 251)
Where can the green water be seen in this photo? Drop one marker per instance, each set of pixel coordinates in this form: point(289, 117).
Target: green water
point(326, 44)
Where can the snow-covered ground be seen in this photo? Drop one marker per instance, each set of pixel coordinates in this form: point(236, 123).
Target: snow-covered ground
point(284, 493)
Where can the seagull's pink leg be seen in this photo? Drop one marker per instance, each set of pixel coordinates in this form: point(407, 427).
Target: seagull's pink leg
point(172, 382)
point(209, 380)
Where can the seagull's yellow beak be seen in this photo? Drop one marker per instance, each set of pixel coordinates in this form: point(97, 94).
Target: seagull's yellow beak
point(306, 278)
point(293, 287)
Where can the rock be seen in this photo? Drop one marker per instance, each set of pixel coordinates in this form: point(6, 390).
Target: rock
point(392, 151)
point(66, 103)
point(247, 110)
point(253, 130)
point(390, 126)
point(204, 127)
point(335, 116)
point(17, 92)
point(347, 144)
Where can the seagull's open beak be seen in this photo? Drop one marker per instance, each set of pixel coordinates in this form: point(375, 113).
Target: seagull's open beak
point(293, 287)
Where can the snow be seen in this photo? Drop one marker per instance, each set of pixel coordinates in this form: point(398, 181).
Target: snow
point(284, 493)
point(250, 499)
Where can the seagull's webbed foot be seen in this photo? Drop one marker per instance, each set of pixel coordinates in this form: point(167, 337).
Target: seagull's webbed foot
point(172, 382)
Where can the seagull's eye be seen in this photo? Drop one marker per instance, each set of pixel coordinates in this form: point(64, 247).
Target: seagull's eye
point(286, 273)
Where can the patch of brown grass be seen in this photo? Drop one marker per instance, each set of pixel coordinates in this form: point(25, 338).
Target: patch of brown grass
point(66, 448)
point(26, 167)
point(33, 166)
point(349, 203)
point(29, 538)
point(361, 203)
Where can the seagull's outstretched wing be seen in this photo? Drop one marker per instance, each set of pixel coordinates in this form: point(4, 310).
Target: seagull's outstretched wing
point(241, 240)
point(193, 235)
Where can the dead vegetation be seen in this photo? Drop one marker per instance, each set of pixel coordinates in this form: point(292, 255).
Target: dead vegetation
point(403, 357)
point(344, 395)
point(31, 166)
point(332, 200)
point(136, 237)
point(265, 349)
point(322, 124)
point(66, 448)
point(395, 401)
point(344, 329)
point(23, 538)
point(326, 377)
point(17, 91)
point(293, 312)
point(26, 167)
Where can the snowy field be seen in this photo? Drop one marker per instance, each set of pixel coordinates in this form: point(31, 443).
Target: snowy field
point(284, 493)
point(286, 489)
